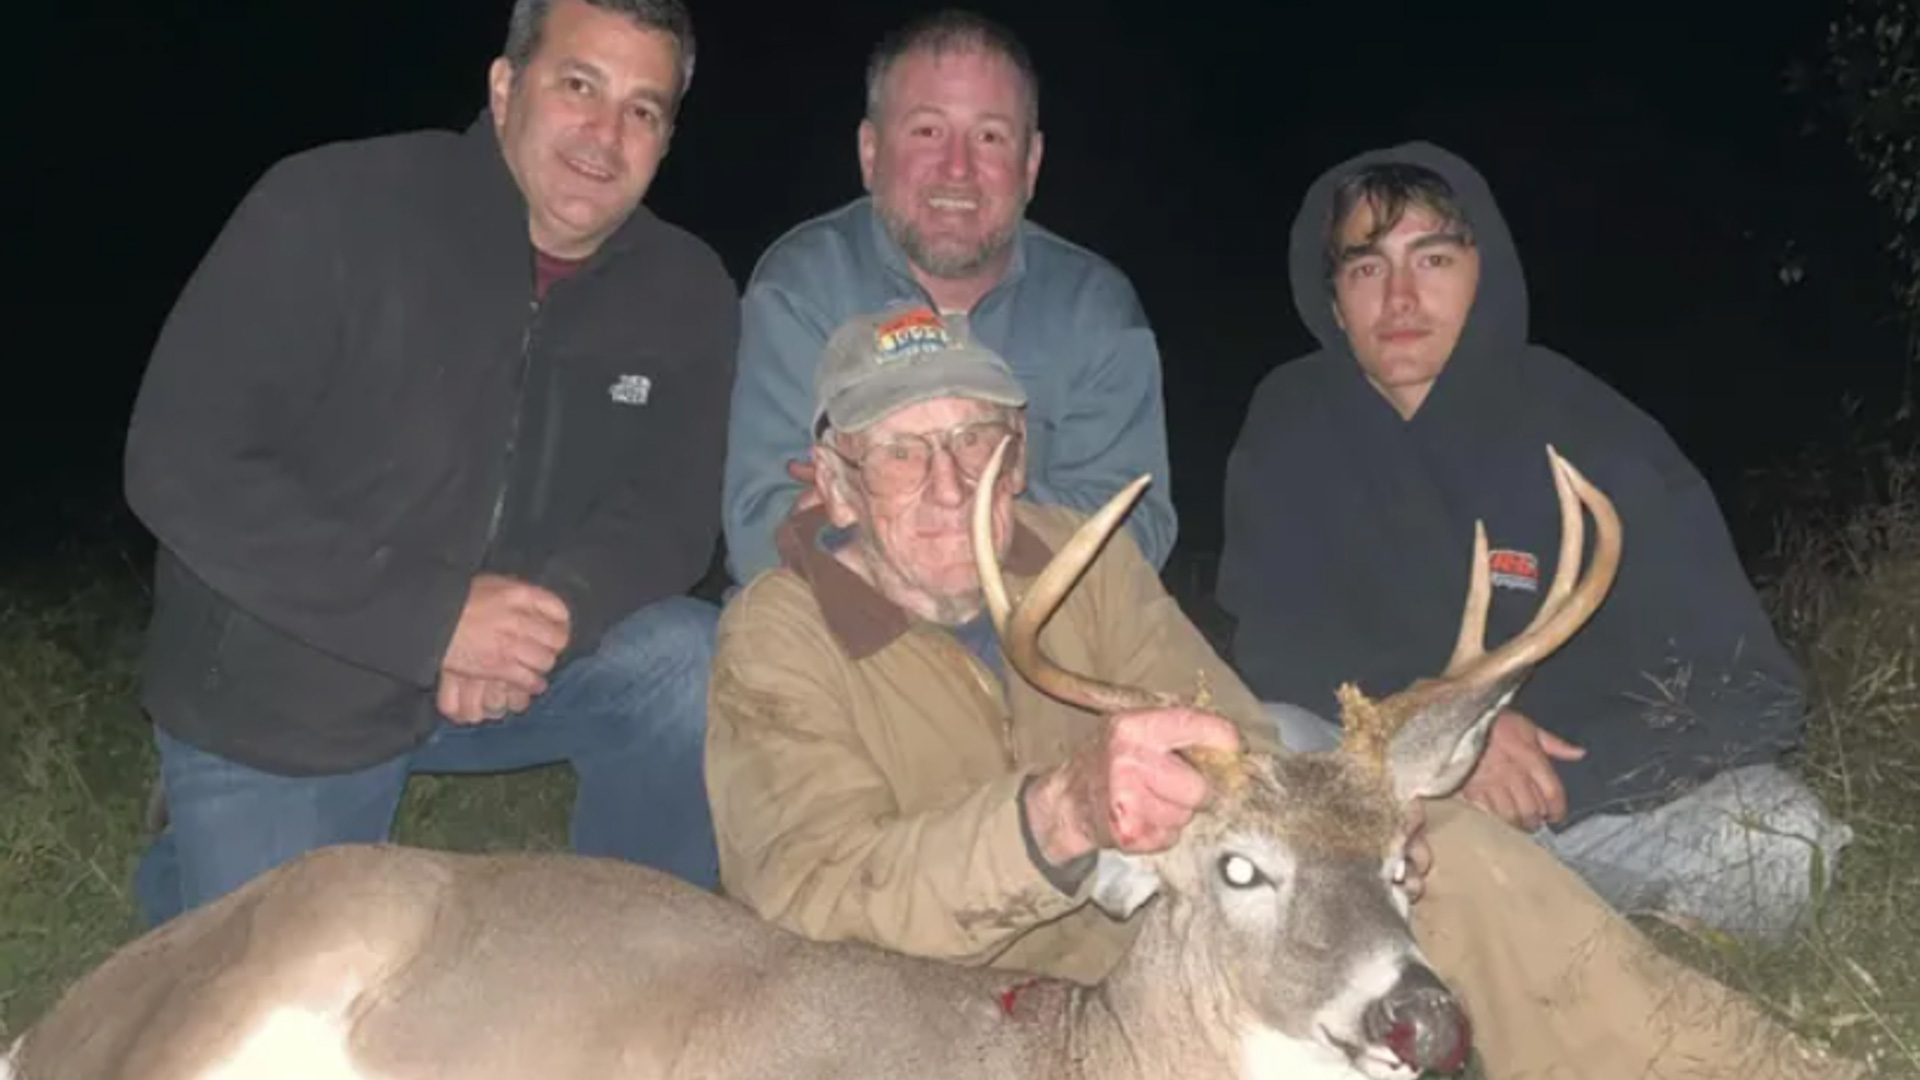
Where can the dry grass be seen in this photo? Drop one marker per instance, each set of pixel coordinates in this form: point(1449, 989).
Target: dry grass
point(1847, 597)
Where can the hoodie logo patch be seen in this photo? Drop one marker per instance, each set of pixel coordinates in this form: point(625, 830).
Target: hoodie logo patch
point(1514, 570)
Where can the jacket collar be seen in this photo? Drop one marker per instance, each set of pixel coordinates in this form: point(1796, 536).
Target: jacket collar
point(860, 618)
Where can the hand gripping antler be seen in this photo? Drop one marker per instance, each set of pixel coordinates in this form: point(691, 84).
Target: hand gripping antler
point(1019, 629)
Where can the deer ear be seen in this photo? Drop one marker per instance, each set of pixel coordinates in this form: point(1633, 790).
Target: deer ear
point(1437, 746)
point(1122, 883)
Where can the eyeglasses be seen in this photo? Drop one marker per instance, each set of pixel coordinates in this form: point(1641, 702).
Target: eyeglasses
point(900, 465)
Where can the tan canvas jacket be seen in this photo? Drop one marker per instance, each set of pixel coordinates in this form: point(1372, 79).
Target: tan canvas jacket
point(866, 767)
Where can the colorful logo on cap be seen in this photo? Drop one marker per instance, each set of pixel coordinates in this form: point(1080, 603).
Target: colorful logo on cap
point(909, 335)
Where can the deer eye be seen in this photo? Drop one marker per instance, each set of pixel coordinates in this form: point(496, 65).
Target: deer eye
point(1239, 872)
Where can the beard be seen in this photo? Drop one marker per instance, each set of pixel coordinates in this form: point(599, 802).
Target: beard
point(948, 260)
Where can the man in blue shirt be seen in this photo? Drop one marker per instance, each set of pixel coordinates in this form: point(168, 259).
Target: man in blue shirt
point(950, 150)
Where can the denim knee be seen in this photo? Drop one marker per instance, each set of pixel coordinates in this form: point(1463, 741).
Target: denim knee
point(652, 669)
point(1302, 731)
point(679, 632)
point(1747, 852)
point(1794, 844)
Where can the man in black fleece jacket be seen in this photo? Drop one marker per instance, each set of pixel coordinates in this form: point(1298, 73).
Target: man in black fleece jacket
point(431, 444)
point(1644, 753)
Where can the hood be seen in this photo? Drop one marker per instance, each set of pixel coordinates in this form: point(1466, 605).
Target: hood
point(1498, 322)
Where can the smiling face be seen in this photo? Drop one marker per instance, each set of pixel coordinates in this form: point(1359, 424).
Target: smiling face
point(584, 123)
point(951, 158)
point(1402, 296)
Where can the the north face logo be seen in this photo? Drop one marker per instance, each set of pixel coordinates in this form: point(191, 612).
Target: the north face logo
point(631, 389)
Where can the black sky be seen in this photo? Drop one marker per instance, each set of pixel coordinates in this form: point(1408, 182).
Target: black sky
point(1650, 164)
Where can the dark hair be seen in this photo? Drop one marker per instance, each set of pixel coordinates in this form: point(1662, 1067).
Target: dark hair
point(952, 30)
point(1390, 189)
point(528, 23)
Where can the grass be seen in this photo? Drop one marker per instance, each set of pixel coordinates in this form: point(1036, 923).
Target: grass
point(1843, 583)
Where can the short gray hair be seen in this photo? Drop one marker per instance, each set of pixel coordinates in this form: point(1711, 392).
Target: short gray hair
point(952, 31)
point(527, 25)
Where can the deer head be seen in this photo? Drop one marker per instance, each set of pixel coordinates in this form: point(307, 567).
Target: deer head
point(1285, 899)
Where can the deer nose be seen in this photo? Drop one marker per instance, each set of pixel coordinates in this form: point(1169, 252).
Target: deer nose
point(1421, 1022)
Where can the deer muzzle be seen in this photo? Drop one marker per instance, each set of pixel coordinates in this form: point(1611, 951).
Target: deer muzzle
point(1421, 1022)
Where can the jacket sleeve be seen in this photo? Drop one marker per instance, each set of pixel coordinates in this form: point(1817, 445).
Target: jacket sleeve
point(1695, 611)
point(1109, 428)
point(781, 339)
point(810, 835)
point(653, 536)
point(249, 346)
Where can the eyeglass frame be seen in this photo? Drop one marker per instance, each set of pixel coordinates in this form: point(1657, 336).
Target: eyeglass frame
point(938, 441)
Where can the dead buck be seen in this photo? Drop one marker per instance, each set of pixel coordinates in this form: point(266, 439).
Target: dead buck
point(1280, 945)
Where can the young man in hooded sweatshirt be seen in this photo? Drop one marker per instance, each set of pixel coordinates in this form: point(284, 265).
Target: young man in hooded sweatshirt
point(1645, 754)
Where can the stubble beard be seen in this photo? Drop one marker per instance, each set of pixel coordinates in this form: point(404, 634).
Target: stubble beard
point(947, 261)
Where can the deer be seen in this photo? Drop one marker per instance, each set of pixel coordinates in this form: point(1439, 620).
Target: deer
point(1273, 938)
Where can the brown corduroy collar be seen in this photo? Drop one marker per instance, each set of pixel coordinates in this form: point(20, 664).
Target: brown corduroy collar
point(861, 618)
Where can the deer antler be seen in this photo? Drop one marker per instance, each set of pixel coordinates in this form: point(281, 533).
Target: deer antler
point(1370, 725)
point(1019, 629)
point(1565, 608)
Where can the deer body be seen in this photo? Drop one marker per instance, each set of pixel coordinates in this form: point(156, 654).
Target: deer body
point(1273, 937)
point(392, 963)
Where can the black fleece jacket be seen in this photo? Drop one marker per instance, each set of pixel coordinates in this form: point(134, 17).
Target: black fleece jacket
point(1349, 535)
point(357, 404)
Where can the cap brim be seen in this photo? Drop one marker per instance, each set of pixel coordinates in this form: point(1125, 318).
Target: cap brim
point(958, 375)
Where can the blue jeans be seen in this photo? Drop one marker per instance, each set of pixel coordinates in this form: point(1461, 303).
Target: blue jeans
point(630, 718)
point(1748, 852)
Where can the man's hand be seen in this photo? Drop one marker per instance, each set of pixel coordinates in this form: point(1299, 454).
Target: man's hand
point(464, 699)
point(510, 632)
point(802, 469)
point(1515, 779)
point(1129, 790)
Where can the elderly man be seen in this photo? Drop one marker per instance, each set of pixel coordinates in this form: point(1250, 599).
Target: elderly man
point(950, 152)
point(876, 774)
point(431, 448)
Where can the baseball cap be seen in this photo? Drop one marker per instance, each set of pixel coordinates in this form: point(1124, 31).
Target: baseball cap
point(882, 361)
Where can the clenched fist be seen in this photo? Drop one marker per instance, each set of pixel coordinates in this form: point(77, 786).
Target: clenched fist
point(509, 632)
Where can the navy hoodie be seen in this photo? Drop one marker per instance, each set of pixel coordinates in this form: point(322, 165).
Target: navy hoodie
point(1349, 533)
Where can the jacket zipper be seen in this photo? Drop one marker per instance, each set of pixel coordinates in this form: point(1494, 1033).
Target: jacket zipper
point(513, 428)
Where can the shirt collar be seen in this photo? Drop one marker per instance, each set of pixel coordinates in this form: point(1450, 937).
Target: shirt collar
point(860, 618)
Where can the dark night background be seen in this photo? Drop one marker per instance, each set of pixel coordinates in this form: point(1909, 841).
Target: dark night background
point(1656, 175)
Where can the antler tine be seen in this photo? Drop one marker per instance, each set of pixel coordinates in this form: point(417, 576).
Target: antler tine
point(985, 558)
point(1573, 540)
point(1567, 605)
point(1472, 642)
point(1019, 629)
